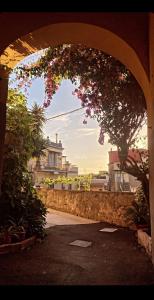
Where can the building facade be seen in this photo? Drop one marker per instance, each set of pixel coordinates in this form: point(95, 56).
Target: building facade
point(120, 181)
point(51, 165)
point(100, 181)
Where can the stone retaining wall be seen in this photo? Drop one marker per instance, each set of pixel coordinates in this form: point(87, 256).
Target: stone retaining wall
point(100, 206)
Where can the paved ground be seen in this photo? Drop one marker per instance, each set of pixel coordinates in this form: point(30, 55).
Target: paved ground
point(112, 259)
point(55, 217)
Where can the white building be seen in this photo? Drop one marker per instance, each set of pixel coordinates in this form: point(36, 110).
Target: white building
point(120, 181)
point(52, 164)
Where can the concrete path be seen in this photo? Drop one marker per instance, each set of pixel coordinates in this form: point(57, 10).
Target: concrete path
point(55, 217)
point(112, 258)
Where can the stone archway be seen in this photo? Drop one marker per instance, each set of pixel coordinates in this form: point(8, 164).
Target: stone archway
point(90, 36)
point(75, 33)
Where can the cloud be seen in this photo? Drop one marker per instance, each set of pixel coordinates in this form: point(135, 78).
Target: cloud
point(60, 125)
point(87, 131)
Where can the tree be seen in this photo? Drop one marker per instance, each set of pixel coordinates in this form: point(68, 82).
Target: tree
point(107, 90)
point(26, 136)
point(18, 126)
point(39, 143)
point(19, 201)
point(38, 118)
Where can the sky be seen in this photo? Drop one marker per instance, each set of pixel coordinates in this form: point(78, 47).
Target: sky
point(80, 141)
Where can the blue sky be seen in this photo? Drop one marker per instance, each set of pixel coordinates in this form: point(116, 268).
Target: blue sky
point(80, 141)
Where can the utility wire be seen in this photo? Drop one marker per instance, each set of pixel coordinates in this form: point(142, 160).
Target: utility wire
point(69, 112)
point(54, 117)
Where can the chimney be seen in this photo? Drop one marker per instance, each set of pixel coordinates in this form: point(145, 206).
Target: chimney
point(56, 138)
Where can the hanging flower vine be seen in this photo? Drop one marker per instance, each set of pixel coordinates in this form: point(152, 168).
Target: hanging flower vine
point(103, 85)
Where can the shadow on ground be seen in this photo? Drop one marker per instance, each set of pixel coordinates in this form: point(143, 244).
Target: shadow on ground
point(112, 259)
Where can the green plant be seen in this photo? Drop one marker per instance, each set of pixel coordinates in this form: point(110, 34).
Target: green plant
point(19, 200)
point(22, 214)
point(16, 231)
point(13, 232)
point(82, 181)
point(139, 211)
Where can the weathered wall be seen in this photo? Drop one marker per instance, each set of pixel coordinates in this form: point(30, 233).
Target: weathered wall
point(100, 206)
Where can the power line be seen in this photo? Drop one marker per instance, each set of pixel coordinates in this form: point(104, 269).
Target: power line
point(69, 112)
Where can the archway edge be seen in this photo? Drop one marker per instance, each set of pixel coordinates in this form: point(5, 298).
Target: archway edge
point(81, 33)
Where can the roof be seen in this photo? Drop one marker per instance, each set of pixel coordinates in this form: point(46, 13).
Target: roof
point(55, 145)
point(134, 153)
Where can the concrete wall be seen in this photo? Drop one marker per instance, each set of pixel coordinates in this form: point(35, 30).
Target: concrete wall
point(100, 206)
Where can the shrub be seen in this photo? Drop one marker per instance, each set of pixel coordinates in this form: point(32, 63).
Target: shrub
point(19, 201)
point(139, 211)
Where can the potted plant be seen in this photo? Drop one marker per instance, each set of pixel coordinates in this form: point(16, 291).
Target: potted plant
point(16, 231)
